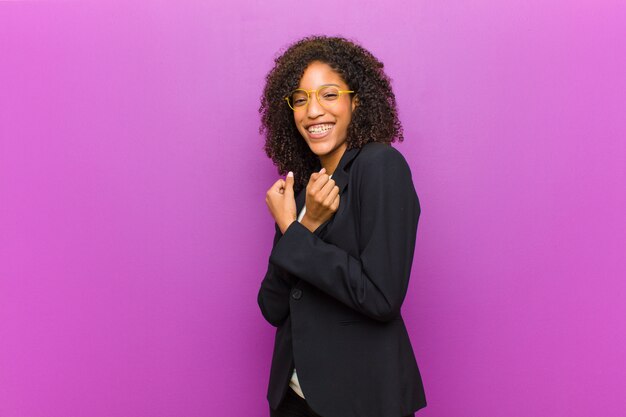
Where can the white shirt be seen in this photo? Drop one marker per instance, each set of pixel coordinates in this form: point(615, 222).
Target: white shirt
point(294, 383)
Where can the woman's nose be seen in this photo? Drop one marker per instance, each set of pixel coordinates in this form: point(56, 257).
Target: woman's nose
point(314, 108)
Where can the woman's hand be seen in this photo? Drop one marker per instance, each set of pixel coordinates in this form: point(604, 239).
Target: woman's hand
point(281, 202)
point(322, 200)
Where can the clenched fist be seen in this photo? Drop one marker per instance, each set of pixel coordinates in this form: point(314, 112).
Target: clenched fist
point(322, 200)
point(281, 202)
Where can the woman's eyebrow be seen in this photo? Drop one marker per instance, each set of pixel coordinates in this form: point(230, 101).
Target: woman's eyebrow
point(336, 85)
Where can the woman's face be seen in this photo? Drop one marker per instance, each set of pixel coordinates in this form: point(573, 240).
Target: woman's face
point(335, 115)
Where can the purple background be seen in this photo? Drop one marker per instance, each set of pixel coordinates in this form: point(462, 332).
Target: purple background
point(134, 233)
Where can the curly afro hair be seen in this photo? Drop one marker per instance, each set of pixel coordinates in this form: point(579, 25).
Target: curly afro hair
point(375, 119)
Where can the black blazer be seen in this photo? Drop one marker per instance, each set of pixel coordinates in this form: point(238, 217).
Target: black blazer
point(335, 294)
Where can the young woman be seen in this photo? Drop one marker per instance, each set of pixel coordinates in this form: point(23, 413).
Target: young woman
point(346, 221)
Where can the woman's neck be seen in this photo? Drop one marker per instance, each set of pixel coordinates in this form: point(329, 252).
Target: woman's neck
point(331, 160)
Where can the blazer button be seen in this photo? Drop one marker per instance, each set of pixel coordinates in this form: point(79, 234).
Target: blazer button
point(296, 294)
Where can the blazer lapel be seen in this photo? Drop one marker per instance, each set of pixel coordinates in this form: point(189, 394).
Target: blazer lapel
point(341, 175)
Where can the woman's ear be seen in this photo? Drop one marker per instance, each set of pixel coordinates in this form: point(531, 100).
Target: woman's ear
point(355, 102)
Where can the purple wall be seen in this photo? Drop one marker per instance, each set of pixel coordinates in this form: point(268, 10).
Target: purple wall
point(134, 233)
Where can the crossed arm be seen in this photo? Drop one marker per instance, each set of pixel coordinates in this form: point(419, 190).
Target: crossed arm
point(375, 282)
point(273, 297)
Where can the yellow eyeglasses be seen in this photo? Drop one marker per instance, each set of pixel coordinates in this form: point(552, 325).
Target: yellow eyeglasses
point(326, 95)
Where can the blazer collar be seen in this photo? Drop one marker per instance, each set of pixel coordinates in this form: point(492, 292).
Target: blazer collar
point(340, 175)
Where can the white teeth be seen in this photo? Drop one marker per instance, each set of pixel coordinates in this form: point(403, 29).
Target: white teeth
point(320, 128)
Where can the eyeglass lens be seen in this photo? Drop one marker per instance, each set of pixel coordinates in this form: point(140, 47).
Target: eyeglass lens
point(327, 95)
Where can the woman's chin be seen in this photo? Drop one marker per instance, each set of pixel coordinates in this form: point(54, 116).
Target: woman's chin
point(320, 148)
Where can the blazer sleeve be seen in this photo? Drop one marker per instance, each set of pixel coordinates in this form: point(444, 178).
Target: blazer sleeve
point(375, 282)
point(273, 296)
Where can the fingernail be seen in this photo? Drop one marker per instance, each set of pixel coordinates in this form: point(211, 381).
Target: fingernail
point(322, 170)
point(290, 174)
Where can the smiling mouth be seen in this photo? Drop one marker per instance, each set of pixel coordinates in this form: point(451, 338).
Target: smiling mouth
point(321, 130)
